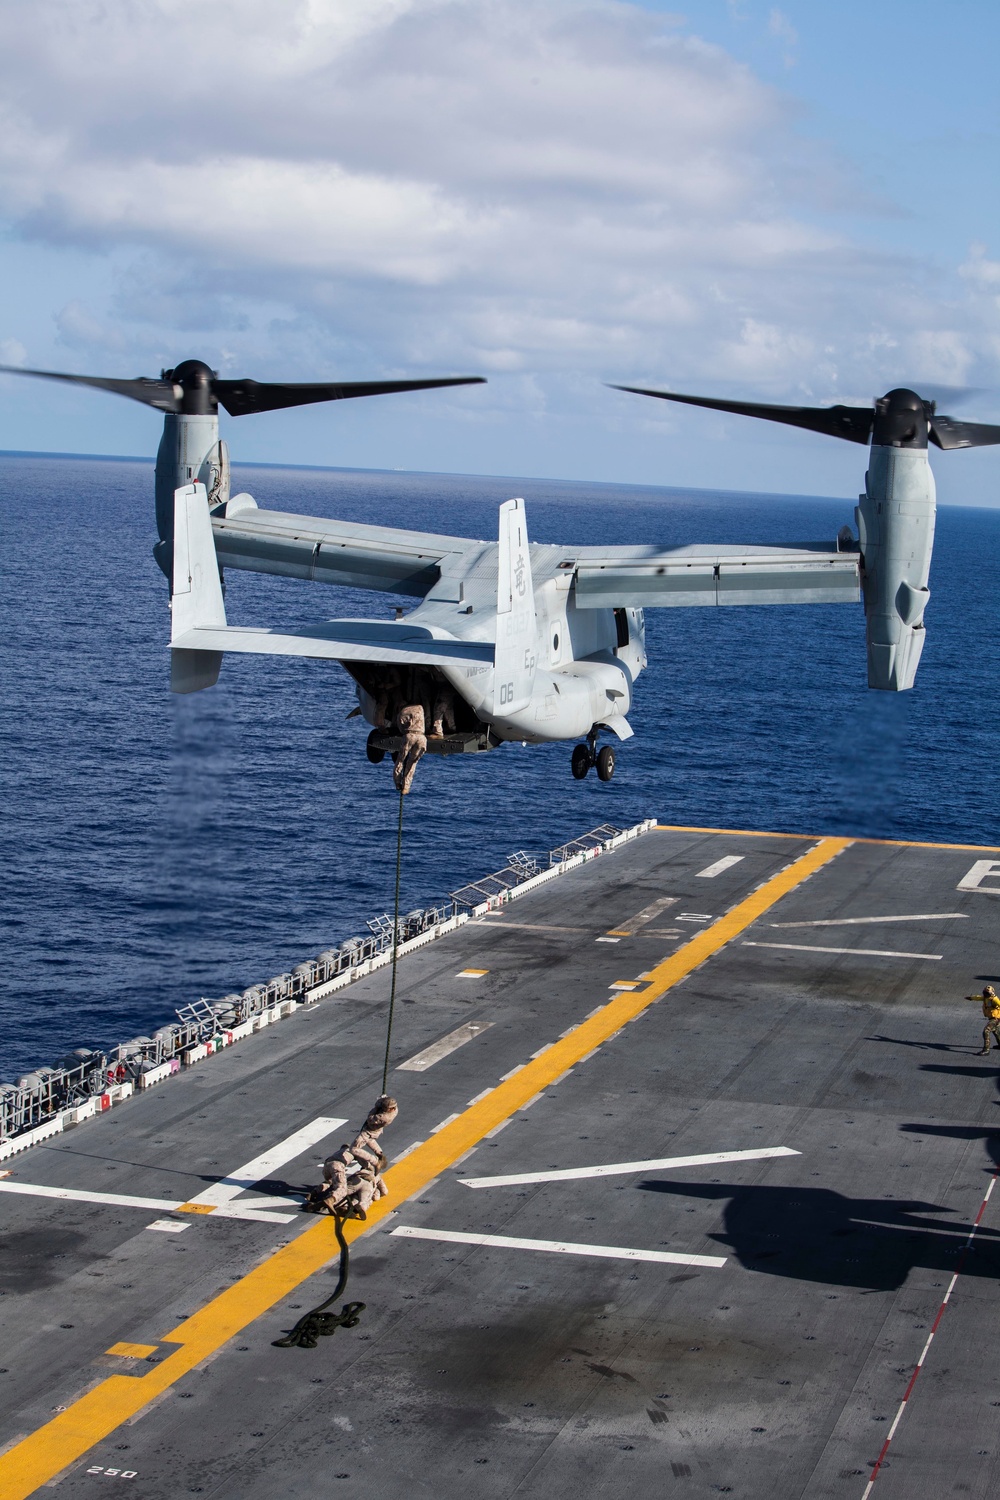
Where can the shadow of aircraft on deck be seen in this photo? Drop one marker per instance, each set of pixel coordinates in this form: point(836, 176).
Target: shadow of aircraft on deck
point(815, 1234)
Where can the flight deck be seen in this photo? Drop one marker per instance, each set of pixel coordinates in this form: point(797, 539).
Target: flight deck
point(691, 1193)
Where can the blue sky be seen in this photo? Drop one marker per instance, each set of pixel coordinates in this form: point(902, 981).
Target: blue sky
point(794, 203)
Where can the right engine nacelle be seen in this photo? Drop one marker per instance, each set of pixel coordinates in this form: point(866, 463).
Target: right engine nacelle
point(896, 533)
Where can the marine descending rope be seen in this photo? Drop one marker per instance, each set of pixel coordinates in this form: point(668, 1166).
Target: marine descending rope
point(344, 1199)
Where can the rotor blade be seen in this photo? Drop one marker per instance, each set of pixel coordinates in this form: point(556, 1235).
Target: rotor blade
point(241, 397)
point(851, 422)
point(947, 433)
point(159, 393)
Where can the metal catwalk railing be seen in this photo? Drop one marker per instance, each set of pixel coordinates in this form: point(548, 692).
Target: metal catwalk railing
point(87, 1074)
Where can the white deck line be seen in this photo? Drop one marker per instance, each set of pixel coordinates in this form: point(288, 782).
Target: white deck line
point(858, 952)
point(622, 1168)
point(928, 916)
point(726, 863)
point(269, 1161)
point(648, 914)
point(421, 1061)
point(560, 1247)
point(125, 1200)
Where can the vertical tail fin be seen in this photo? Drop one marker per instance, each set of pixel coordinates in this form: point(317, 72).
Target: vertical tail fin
point(514, 672)
point(196, 600)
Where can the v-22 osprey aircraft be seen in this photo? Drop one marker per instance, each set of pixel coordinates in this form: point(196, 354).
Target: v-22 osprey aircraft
point(512, 640)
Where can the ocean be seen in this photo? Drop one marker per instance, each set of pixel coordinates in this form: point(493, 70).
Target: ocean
point(156, 849)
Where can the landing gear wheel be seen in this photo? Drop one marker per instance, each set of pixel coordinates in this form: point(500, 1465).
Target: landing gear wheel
point(580, 761)
point(605, 762)
point(374, 751)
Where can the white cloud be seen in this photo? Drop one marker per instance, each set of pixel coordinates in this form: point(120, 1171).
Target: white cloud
point(12, 352)
point(781, 27)
point(513, 185)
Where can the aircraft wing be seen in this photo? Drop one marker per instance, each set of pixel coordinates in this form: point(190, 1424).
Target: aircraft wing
point(200, 633)
point(342, 552)
point(651, 577)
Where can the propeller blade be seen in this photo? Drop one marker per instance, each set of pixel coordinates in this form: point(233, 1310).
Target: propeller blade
point(851, 422)
point(241, 397)
point(162, 394)
point(947, 433)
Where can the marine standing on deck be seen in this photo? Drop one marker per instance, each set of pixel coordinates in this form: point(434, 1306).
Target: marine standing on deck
point(991, 1010)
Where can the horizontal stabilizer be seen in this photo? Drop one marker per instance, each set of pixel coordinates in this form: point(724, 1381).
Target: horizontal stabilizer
point(344, 640)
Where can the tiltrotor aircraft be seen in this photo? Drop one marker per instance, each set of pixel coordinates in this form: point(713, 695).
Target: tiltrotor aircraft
point(512, 640)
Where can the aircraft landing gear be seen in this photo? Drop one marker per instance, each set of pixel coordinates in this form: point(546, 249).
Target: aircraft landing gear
point(585, 756)
point(373, 750)
point(580, 762)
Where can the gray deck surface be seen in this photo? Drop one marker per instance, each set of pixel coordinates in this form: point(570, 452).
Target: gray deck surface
point(494, 1371)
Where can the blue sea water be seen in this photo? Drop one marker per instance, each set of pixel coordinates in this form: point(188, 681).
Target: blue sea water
point(157, 848)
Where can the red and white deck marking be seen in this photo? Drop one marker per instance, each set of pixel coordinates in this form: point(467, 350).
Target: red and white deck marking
point(930, 1337)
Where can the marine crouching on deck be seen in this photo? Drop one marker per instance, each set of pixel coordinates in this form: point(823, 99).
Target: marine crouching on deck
point(352, 1175)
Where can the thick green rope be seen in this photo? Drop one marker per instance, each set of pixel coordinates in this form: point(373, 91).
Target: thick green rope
point(317, 1322)
point(395, 945)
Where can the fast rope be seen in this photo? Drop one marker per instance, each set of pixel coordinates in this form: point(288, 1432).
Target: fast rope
point(395, 944)
point(317, 1322)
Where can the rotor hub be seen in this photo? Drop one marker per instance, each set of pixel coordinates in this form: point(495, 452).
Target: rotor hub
point(197, 382)
point(901, 420)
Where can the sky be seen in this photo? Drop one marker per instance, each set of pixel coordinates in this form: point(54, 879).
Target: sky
point(794, 204)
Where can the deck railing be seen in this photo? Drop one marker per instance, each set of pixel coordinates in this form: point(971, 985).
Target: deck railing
point(94, 1076)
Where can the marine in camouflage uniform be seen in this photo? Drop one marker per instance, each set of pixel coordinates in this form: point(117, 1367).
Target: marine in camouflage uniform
point(412, 722)
point(352, 1176)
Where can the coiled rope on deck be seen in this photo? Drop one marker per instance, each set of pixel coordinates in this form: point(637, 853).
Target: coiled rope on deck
point(317, 1323)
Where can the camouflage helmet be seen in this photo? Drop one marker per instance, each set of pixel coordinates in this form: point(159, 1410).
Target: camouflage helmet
point(382, 1113)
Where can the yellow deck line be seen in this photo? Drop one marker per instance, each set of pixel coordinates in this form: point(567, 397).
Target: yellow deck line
point(758, 833)
point(49, 1450)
